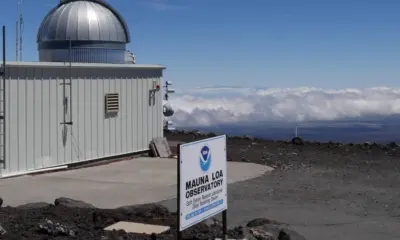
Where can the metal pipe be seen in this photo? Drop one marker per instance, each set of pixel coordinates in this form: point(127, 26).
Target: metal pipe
point(64, 103)
point(16, 42)
point(20, 31)
point(70, 82)
point(4, 97)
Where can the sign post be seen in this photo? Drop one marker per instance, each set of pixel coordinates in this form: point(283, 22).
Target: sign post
point(202, 182)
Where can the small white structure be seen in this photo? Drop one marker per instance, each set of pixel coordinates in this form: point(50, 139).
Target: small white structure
point(62, 113)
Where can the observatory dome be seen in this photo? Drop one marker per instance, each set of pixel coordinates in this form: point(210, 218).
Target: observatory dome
point(83, 31)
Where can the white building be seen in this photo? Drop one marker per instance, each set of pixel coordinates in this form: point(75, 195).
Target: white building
point(81, 102)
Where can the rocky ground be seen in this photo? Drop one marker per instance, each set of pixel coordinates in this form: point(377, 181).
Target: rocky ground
point(307, 173)
point(323, 190)
point(296, 153)
point(72, 219)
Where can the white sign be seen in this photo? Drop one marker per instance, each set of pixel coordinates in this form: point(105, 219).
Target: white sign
point(203, 180)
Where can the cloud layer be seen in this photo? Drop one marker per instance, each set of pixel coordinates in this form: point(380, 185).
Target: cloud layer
point(221, 105)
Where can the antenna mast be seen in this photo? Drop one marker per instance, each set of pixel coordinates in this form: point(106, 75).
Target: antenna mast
point(17, 34)
point(21, 30)
point(16, 41)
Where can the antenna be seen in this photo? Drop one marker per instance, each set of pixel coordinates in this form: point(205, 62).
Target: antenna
point(21, 30)
point(17, 33)
point(16, 41)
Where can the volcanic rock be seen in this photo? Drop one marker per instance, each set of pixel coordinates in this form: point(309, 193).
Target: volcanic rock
point(35, 205)
point(297, 141)
point(71, 203)
point(261, 221)
point(55, 229)
point(2, 230)
point(283, 235)
point(145, 210)
point(261, 235)
point(266, 229)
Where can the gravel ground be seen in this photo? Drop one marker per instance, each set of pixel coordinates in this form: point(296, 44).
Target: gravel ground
point(62, 222)
point(323, 190)
point(320, 190)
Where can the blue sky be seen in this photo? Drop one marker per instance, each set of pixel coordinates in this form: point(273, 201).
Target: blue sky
point(278, 44)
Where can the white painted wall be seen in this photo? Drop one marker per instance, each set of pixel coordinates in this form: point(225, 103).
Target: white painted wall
point(35, 137)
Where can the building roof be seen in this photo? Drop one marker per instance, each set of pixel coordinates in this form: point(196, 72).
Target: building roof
point(83, 20)
point(84, 65)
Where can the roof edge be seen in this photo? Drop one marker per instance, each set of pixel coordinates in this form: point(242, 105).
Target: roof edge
point(83, 65)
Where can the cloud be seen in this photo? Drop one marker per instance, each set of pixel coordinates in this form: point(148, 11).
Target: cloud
point(164, 5)
point(209, 106)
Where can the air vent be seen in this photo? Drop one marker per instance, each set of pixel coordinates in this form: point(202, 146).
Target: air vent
point(112, 103)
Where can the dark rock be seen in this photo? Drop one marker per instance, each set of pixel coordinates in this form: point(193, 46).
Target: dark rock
point(71, 203)
point(261, 221)
point(260, 234)
point(2, 230)
point(34, 205)
point(211, 134)
point(367, 144)
point(1, 202)
point(144, 210)
point(55, 229)
point(297, 141)
point(283, 235)
point(237, 232)
point(247, 137)
point(212, 222)
point(392, 145)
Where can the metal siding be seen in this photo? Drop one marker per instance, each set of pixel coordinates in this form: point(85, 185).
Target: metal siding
point(111, 121)
point(53, 125)
point(12, 125)
point(129, 119)
point(37, 118)
point(34, 96)
point(21, 96)
point(46, 131)
point(100, 117)
point(107, 124)
point(159, 117)
point(117, 120)
point(144, 112)
point(140, 114)
point(160, 112)
point(124, 116)
point(135, 112)
point(93, 118)
point(30, 124)
point(149, 110)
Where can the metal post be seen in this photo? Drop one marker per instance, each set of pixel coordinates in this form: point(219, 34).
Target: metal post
point(65, 98)
point(70, 82)
point(16, 42)
point(20, 31)
point(4, 97)
point(225, 224)
point(178, 211)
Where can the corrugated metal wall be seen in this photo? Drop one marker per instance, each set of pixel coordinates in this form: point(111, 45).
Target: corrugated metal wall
point(35, 137)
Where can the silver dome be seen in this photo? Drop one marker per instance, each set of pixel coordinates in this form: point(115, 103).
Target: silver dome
point(89, 20)
point(89, 31)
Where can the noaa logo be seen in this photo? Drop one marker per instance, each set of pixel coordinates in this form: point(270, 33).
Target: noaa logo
point(205, 158)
